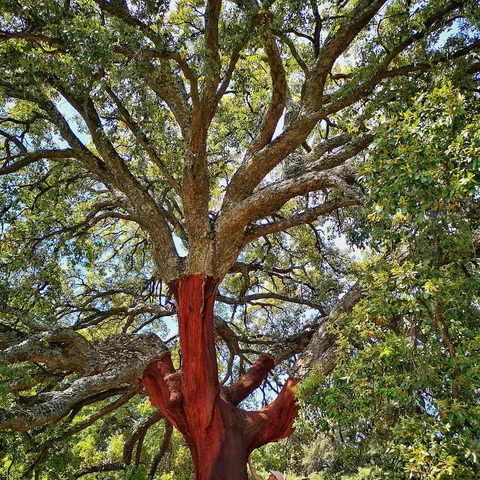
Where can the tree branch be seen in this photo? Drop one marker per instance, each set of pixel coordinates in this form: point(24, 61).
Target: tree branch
point(31, 37)
point(301, 63)
point(116, 360)
point(113, 170)
point(142, 139)
point(333, 46)
point(381, 72)
point(279, 94)
point(249, 382)
point(119, 9)
point(348, 151)
point(212, 15)
point(235, 56)
point(163, 449)
point(267, 296)
point(63, 348)
point(173, 93)
point(309, 215)
point(96, 416)
point(106, 467)
point(321, 351)
point(138, 435)
point(231, 224)
point(33, 157)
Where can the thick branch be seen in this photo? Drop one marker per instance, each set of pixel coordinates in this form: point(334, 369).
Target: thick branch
point(321, 351)
point(279, 93)
point(250, 381)
point(293, 345)
point(170, 88)
point(116, 360)
point(274, 421)
point(106, 467)
point(23, 317)
point(360, 91)
point(348, 151)
point(114, 170)
point(31, 37)
point(212, 15)
point(63, 348)
point(335, 44)
point(119, 9)
point(258, 164)
point(230, 226)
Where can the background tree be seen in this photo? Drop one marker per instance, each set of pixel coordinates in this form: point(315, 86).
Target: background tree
point(154, 155)
point(404, 397)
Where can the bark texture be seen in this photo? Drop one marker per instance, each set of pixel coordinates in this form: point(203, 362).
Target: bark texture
point(220, 435)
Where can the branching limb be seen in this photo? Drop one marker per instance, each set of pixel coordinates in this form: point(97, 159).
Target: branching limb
point(119, 9)
point(99, 212)
point(113, 170)
point(142, 139)
point(284, 37)
point(31, 37)
point(333, 46)
point(321, 352)
point(345, 98)
point(275, 195)
point(260, 230)
point(250, 381)
point(267, 296)
point(33, 157)
point(257, 164)
point(96, 416)
point(348, 151)
point(171, 88)
point(268, 200)
point(235, 56)
point(23, 317)
point(279, 93)
point(106, 467)
point(114, 361)
point(94, 316)
point(63, 348)
point(212, 16)
point(293, 345)
point(163, 449)
point(138, 435)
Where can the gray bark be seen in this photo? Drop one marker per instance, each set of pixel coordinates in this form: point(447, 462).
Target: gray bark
point(321, 351)
point(106, 364)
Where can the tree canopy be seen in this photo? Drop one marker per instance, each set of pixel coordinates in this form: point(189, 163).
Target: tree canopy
point(149, 148)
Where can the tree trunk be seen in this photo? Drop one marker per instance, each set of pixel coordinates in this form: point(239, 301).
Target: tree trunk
point(219, 434)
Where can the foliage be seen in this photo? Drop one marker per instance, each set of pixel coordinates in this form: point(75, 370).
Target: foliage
point(405, 395)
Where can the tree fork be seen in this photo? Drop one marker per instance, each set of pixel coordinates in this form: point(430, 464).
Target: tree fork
point(219, 434)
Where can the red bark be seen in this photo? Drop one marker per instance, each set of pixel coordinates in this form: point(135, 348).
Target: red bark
point(219, 434)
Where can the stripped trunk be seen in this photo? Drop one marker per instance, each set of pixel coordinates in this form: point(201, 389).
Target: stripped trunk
point(219, 434)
